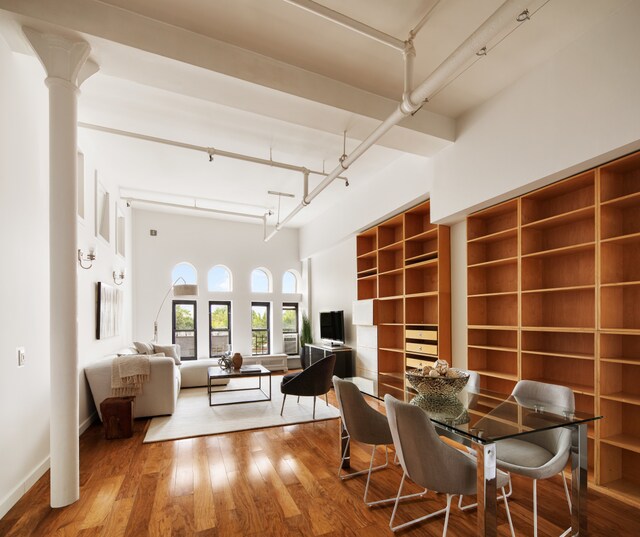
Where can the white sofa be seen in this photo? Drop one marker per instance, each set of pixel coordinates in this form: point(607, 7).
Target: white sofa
point(160, 393)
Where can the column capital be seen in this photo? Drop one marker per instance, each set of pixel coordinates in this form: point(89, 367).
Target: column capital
point(62, 58)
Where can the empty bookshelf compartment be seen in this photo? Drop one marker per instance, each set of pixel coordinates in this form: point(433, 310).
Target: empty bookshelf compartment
point(621, 424)
point(497, 363)
point(391, 311)
point(620, 382)
point(495, 339)
point(493, 220)
point(620, 218)
point(495, 384)
point(391, 284)
point(562, 197)
point(421, 249)
point(497, 310)
point(620, 470)
point(573, 308)
point(485, 251)
point(578, 344)
point(620, 347)
point(367, 288)
point(620, 308)
point(497, 278)
point(570, 230)
point(576, 374)
point(422, 278)
point(620, 178)
point(564, 269)
point(390, 232)
point(367, 264)
point(390, 258)
point(620, 260)
point(417, 221)
point(421, 311)
point(366, 242)
point(391, 337)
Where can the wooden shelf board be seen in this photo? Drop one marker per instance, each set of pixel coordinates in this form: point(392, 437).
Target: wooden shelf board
point(580, 329)
point(390, 324)
point(421, 325)
point(561, 354)
point(621, 361)
point(620, 284)
point(391, 297)
point(564, 218)
point(633, 237)
point(496, 262)
point(622, 397)
point(574, 248)
point(622, 331)
point(492, 327)
point(497, 236)
point(390, 349)
point(502, 293)
point(621, 489)
point(497, 374)
point(492, 348)
point(368, 272)
point(559, 289)
point(370, 277)
point(422, 263)
point(368, 255)
point(416, 259)
point(393, 374)
point(628, 200)
point(418, 295)
point(624, 441)
point(392, 247)
point(422, 235)
point(393, 272)
point(577, 388)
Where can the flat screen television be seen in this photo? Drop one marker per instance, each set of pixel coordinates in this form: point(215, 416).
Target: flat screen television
point(332, 325)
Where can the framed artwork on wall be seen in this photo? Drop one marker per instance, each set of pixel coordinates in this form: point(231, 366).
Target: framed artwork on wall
point(80, 184)
point(120, 231)
point(108, 311)
point(103, 222)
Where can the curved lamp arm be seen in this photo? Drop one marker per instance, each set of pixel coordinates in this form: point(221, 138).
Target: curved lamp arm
point(155, 323)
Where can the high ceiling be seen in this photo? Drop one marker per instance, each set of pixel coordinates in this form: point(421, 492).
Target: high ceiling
point(267, 78)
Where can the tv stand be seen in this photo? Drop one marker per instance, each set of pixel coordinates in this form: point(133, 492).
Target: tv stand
point(344, 360)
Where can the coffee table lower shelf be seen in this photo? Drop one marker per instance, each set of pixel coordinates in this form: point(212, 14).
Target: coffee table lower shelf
point(217, 373)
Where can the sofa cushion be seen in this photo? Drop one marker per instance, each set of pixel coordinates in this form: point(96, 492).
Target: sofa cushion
point(194, 373)
point(144, 348)
point(168, 350)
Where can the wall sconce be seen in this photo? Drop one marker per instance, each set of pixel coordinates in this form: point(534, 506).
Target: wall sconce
point(118, 278)
point(90, 257)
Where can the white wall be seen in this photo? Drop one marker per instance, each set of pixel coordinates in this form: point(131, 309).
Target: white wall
point(205, 242)
point(24, 284)
point(577, 110)
point(333, 286)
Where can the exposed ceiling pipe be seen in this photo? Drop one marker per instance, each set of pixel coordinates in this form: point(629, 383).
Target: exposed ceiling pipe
point(348, 22)
point(506, 13)
point(423, 21)
point(211, 151)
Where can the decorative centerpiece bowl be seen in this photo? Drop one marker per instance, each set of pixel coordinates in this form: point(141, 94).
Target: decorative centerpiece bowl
point(449, 410)
point(438, 386)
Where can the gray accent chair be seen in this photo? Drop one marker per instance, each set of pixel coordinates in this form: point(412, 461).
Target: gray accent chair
point(430, 462)
point(543, 454)
point(310, 382)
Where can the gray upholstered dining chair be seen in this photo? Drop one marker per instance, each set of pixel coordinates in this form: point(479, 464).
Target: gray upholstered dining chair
point(543, 454)
point(430, 462)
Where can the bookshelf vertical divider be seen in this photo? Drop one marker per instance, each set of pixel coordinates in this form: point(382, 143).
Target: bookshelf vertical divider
point(553, 287)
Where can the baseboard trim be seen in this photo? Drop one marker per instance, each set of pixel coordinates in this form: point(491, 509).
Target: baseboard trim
point(18, 492)
point(87, 423)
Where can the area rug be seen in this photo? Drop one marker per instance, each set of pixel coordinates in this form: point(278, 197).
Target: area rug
point(194, 416)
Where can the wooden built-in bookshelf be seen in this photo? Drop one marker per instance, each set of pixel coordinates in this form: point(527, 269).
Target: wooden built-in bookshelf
point(404, 263)
point(554, 295)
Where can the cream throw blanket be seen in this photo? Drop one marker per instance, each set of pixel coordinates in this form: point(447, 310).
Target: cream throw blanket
point(128, 373)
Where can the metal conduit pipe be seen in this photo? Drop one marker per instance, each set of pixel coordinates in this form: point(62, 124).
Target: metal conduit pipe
point(506, 13)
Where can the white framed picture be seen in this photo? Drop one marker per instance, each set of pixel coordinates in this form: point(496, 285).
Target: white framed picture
point(103, 222)
point(120, 231)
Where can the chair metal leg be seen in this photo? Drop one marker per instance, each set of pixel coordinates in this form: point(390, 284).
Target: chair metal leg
point(314, 407)
point(446, 516)
point(283, 400)
point(326, 399)
point(506, 507)
point(503, 496)
point(415, 520)
point(298, 399)
point(566, 490)
point(535, 508)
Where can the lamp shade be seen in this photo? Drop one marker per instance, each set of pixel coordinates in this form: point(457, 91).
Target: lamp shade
point(185, 289)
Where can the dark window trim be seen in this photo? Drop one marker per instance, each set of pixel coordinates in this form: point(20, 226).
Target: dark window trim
point(296, 307)
point(225, 303)
point(267, 330)
point(193, 303)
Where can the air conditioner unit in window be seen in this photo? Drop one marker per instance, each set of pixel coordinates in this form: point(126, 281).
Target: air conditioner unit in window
point(290, 343)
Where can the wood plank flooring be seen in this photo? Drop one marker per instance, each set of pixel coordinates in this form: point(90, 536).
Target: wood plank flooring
point(270, 482)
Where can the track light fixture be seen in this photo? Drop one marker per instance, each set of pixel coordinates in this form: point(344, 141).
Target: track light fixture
point(524, 16)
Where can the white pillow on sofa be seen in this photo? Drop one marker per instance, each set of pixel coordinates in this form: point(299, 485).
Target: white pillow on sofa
point(143, 348)
point(169, 350)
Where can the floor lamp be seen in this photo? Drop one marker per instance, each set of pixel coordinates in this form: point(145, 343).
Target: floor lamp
point(182, 289)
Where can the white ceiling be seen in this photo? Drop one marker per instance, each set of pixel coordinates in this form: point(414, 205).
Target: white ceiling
point(261, 76)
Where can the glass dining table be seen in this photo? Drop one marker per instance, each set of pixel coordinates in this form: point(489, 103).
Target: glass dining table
point(480, 418)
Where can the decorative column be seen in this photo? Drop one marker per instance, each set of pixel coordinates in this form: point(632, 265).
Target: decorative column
point(65, 63)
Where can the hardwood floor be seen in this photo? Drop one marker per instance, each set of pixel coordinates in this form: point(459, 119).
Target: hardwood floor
point(271, 482)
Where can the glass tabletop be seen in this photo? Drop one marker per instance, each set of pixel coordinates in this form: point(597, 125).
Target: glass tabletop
point(484, 416)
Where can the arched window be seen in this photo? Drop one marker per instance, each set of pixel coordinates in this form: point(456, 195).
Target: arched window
point(260, 281)
point(290, 282)
point(186, 271)
point(219, 279)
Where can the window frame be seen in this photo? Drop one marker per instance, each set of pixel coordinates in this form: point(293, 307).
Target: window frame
point(267, 330)
point(211, 329)
point(193, 303)
point(287, 306)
